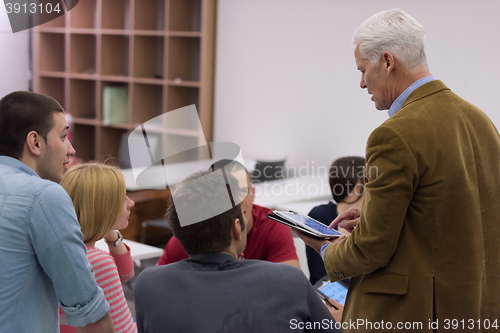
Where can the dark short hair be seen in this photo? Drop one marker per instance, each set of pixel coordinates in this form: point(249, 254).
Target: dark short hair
point(20, 113)
point(212, 235)
point(344, 174)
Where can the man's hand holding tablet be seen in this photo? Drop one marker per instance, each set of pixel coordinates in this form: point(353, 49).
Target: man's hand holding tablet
point(304, 224)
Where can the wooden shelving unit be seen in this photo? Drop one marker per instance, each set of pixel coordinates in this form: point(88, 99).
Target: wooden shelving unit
point(161, 51)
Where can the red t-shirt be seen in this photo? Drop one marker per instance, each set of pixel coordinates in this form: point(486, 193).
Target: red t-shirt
point(268, 240)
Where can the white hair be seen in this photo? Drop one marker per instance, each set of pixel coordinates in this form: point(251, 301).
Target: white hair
point(396, 32)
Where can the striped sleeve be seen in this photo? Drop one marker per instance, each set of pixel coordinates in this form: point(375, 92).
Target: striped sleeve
point(106, 274)
point(124, 264)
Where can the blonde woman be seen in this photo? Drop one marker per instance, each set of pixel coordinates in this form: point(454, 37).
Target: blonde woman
point(102, 208)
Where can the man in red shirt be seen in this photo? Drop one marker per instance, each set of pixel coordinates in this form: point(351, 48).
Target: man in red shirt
point(266, 239)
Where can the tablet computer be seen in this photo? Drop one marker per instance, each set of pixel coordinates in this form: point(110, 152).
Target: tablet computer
point(335, 290)
point(304, 224)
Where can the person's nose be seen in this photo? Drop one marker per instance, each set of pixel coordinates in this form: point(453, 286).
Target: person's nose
point(362, 83)
point(71, 150)
point(131, 203)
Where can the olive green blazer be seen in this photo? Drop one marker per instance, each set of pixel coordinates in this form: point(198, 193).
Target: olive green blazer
point(427, 246)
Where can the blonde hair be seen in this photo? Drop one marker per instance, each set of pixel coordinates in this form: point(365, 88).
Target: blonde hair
point(98, 194)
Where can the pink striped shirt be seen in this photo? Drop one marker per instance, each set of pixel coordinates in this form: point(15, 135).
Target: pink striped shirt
point(110, 271)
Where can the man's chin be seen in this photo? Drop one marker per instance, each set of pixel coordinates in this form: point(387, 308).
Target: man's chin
point(381, 108)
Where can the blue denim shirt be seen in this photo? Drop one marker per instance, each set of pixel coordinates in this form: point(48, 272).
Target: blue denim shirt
point(42, 257)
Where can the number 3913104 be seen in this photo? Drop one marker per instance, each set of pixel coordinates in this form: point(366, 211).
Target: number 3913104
point(32, 8)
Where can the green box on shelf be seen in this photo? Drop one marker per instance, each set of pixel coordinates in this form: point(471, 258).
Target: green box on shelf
point(115, 105)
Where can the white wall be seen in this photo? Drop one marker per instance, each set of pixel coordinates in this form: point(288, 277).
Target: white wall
point(287, 84)
point(13, 57)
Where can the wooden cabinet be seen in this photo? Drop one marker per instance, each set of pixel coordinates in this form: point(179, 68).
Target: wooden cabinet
point(160, 52)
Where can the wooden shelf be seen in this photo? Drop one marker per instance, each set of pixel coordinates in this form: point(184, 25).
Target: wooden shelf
point(57, 23)
point(86, 121)
point(185, 15)
point(83, 138)
point(179, 96)
point(115, 14)
point(184, 34)
point(181, 83)
point(53, 86)
point(184, 58)
point(52, 52)
point(82, 98)
point(124, 32)
point(116, 78)
point(148, 57)
point(158, 53)
point(82, 57)
point(114, 55)
point(82, 76)
point(149, 99)
point(149, 33)
point(44, 28)
point(53, 74)
point(149, 15)
point(83, 15)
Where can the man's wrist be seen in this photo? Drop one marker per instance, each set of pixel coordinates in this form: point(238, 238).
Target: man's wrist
point(322, 250)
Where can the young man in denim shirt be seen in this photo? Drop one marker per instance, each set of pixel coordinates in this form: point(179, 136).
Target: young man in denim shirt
point(41, 250)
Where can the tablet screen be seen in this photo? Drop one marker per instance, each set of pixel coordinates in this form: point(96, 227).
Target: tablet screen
point(335, 290)
point(311, 223)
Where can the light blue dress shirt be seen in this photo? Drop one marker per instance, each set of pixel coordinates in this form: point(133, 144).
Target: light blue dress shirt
point(42, 257)
point(395, 106)
point(398, 103)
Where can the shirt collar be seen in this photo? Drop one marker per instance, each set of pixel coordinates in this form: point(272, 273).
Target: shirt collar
point(398, 103)
point(15, 163)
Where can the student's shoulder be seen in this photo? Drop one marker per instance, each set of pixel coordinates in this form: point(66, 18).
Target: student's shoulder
point(271, 267)
point(28, 184)
point(158, 272)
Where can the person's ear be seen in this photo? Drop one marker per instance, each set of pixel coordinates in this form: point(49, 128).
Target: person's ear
point(388, 60)
point(33, 143)
point(236, 229)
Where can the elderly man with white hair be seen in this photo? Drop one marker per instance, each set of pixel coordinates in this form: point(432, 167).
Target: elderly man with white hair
point(423, 253)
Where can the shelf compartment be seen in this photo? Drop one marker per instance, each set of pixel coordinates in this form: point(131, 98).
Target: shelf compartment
point(82, 96)
point(54, 87)
point(149, 15)
point(148, 56)
point(115, 14)
point(82, 53)
point(109, 142)
point(114, 55)
point(83, 140)
point(114, 108)
point(52, 52)
point(59, 22)
point(184, 15)
point(83, 15)
point(148, 99)
point(179, 97)
point(184, 58)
